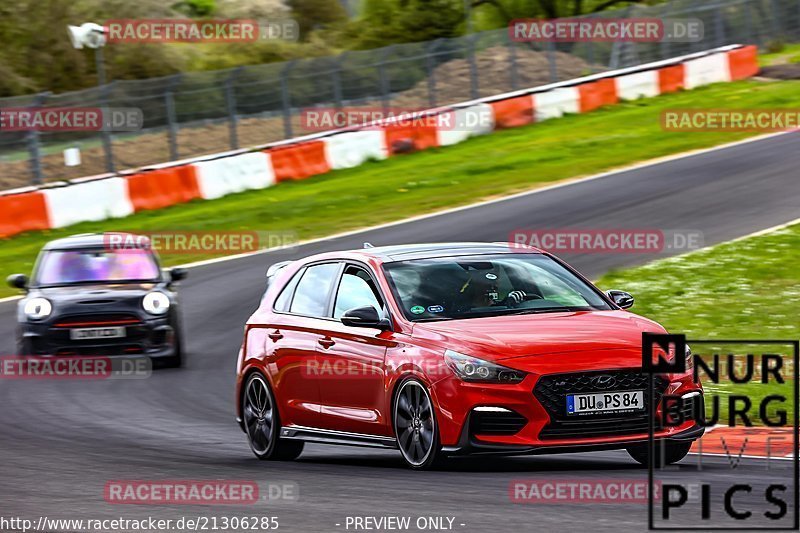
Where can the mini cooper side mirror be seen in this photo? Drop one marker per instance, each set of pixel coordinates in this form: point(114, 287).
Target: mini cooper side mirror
point(18, 281)
point(364, 317)
point(621, 298)
point(177, 274)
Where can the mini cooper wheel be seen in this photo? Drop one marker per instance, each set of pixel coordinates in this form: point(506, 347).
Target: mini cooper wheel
point(666, 453)
point(24, 348)
point(176, 359)
point(262, 422)
point(415, 426)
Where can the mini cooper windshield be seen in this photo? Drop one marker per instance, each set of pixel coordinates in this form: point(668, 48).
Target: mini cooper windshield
point(488, 285)
point(66, 267)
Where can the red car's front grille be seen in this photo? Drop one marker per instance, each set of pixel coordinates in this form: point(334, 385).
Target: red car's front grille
point(551, 391)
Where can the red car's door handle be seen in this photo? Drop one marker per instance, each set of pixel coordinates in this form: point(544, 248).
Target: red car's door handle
point(326, 342)
point(275, 335)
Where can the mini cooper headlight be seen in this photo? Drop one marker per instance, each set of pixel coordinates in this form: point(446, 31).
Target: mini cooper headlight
point(38, 308)
point(472, 369)
point(156, 303)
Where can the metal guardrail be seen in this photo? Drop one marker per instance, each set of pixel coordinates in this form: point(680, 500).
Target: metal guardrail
point(196, 113)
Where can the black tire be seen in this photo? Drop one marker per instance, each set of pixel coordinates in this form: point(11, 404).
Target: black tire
point(415, 426)
point(665, 453)
point(175, 360)
point(262, 423)
point(23, 348)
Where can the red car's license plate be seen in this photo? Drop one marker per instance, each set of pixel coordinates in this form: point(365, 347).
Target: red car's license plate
point(603, 402)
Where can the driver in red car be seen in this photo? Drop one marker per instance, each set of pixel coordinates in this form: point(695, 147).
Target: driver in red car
point(481, 290)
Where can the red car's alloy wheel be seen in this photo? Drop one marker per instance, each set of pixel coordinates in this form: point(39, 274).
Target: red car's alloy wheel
point(258, 415)
point(262, 422)
point(415, 425)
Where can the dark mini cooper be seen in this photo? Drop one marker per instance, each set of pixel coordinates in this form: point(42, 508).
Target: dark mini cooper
point(86, 298)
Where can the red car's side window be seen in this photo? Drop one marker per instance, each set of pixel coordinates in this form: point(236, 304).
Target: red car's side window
point(356, 289)
point(284, 300)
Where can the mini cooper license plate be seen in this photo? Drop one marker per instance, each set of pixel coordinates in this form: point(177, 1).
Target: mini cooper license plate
point(604, 402)
point(82, 334)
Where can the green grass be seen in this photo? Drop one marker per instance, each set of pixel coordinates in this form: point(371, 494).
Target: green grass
point(494, 165)
point(790, 53)
point(745, 289)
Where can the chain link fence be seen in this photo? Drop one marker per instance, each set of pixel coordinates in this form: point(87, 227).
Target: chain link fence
point(196, 113)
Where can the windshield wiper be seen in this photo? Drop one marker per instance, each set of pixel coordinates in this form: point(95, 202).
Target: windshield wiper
point(506, 312)
point(544, 310)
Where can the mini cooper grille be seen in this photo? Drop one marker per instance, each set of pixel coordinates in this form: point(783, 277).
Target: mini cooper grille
point(552, 390)
point(110, 319)
point(496, 422)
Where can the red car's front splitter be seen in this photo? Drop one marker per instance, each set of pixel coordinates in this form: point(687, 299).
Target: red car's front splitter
point(458, 402)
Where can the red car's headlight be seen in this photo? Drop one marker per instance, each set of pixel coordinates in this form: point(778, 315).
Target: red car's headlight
point(472, 369)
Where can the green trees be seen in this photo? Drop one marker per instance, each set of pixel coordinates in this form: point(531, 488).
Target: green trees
point(404, 21)
point(384, 22)
point(36, 54)
point(316, 14)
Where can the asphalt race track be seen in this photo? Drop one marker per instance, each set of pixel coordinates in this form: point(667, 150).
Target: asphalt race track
point(61, 441)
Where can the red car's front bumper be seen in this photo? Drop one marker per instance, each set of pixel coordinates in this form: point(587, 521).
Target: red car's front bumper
point(527, 417)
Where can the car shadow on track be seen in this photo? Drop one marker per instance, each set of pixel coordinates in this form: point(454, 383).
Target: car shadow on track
point(490, 464)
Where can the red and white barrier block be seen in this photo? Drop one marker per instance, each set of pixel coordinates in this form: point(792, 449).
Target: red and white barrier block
point(229, 175)
point(355, 148)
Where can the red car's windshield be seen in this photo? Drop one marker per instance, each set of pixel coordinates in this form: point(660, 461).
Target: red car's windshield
point(468, 287)
point(59, 267)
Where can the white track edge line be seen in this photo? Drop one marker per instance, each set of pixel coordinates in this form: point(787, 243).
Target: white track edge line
point(563, 183)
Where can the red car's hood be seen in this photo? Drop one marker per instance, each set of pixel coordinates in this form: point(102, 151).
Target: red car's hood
point(509, 337)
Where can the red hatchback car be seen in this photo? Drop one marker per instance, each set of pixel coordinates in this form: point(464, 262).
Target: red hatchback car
point(448, 349)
